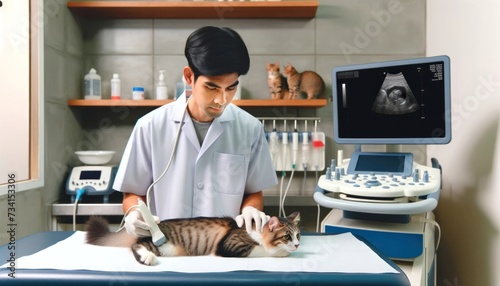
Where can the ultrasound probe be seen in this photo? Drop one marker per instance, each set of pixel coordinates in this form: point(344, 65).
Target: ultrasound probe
point(157, 236)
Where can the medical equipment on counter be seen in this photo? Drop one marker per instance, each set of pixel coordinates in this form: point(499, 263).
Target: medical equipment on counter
point(92, 181)
point(95, 180)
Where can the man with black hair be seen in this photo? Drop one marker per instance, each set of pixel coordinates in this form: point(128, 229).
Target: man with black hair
point(220, 160)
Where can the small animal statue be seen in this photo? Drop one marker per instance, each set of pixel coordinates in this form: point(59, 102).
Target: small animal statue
point(304, 85)
point(203, 236)
point(277, 82)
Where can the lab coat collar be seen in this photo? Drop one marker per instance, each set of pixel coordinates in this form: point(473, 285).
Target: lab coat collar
point(216, 129)
point(180, 104)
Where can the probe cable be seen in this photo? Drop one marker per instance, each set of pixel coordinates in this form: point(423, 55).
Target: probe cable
point(436, 227)
point(164, 171)
point(79, 193)
point(171, 154)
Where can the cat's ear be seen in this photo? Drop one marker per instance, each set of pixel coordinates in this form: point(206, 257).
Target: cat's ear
point(273, 223)
point(294, 217)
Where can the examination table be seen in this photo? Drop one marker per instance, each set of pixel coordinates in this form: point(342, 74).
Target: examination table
point(40, 241)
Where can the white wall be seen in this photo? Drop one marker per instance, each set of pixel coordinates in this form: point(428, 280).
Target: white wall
point(469, 208)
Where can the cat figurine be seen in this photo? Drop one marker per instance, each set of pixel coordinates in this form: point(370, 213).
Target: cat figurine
point(276, 81)
point(304, 85)
point(203, 236)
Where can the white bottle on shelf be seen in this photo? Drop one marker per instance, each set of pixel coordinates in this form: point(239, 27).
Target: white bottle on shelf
point(92, 85)
point(115, 87)
point(161, 87)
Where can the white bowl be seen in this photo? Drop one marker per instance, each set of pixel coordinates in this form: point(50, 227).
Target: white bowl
point(95, 157)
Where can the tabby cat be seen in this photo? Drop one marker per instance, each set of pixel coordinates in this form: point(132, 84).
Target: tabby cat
point(203, 236)
point(276, 81)
point(304, 85)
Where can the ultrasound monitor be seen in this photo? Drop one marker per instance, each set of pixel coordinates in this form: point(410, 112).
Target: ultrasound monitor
point(394, 102)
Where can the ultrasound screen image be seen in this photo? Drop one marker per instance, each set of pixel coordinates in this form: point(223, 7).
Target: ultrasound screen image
point(380, 103)
point(395, 96)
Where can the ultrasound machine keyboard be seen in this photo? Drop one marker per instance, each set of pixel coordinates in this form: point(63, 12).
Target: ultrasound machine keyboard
point(423, 181)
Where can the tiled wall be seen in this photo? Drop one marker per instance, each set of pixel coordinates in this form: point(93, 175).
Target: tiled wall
point(343, 32)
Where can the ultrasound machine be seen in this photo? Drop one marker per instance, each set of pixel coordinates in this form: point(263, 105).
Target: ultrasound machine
point(387, 197)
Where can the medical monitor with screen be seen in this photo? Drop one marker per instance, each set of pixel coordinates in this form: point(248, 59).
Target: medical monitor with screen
point(396, 102)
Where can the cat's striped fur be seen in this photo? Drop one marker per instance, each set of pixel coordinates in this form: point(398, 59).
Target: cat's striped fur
point(203, 236)
point(277, 82)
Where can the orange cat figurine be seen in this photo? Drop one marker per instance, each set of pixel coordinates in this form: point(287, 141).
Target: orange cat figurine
point(307, 84)
point(277, 83)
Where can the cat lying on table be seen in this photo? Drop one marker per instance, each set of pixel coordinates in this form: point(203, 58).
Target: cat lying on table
point(203, 236)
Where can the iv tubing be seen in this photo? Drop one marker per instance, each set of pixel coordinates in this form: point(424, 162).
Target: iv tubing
point(284, 141)
point(295, 148)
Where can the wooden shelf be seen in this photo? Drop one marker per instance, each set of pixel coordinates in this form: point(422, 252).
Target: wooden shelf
point(306, 103)
point(312, 103)
point(121, 102)
point(195, 9)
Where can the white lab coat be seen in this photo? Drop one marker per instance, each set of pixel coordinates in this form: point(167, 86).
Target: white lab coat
point(207, 180)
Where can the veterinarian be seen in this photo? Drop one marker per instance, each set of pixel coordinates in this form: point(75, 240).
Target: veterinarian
point(221, 161)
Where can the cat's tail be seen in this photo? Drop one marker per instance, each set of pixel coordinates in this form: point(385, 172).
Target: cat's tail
point(98, 234)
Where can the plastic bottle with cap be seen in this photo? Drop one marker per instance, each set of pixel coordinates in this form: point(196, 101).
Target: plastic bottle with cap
point(92, 86)
point(115, 87)
point(138, 93)
point(161, 87)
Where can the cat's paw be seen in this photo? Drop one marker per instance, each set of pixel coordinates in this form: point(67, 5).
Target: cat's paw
point(145, 256)
point(149, 259)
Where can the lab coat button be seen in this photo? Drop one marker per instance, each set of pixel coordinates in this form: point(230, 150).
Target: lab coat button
point(200, 185)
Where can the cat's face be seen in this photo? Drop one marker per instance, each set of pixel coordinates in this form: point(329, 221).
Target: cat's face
point(288, 70)
point(282, 234)
point(273, 70)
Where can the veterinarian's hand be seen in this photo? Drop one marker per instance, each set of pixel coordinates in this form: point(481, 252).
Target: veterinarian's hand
point(250, 213)
point(135, 225)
